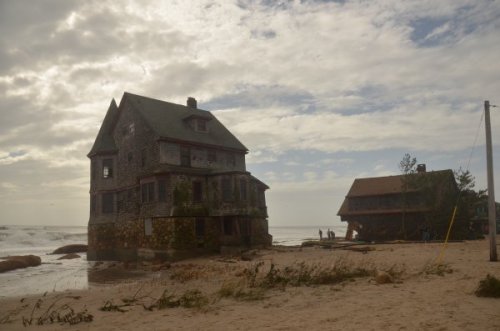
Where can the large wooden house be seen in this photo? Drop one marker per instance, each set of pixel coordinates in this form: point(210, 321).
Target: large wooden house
point(170, 181)
point(400, 207)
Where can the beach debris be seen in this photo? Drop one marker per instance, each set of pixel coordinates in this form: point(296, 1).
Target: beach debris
point(248, 255)
point(189, 299)
point(488, 287)
point(303, 274)
point(69, 256)
point(362, 249)
point(439, 269)
point(61, 314)
point(18, 262)
point(110, 306)
point(161, 266)
point(74, 248)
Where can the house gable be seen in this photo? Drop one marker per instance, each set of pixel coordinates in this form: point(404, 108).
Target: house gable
point(172, 122)
point(104, 142)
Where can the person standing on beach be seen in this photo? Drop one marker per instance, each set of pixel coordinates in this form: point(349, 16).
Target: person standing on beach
point(329, 235)
point(320, 235)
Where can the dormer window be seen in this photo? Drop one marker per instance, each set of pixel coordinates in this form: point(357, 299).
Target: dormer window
point(197, 122)
point(201, 125)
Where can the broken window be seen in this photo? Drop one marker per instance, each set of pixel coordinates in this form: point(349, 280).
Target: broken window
point(197, 191)
point(227, 192)
point(200, 227)
point(108, 203)
point(148, 192)
point(211, 157)
point(228, 226)
point(148, 226)
point(107, 168)
point(162, 190)
point(243, 189)
point(185, 156)
point(230, 160)
point(143, 157)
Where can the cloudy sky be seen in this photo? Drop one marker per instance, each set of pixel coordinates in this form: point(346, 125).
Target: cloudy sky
point(321, 92)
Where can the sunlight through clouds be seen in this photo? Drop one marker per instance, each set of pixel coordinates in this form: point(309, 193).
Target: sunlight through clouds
point(321, 92)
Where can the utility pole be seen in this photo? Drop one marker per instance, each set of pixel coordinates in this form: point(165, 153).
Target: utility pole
point(491, 190)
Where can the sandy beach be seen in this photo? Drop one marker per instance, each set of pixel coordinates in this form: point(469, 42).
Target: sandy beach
point(382, 287)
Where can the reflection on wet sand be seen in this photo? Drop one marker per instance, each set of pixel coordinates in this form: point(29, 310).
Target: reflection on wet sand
point(101, 273)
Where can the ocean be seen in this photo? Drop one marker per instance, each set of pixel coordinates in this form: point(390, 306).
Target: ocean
point(59, 275)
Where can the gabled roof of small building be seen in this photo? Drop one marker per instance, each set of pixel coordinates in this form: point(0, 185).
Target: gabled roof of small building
point(388, 184)
point(378, 186)
point(104, 142)
point(168, 120)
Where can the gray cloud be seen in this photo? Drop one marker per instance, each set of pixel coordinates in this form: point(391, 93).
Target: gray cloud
point(287, 77)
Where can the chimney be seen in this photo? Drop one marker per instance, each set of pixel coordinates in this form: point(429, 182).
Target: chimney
point(421, 168)
point(191, 103)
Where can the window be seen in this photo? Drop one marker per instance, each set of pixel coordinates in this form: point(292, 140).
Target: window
point(120, 201)
point(92, 169)
point(230, 160)
point(143, 157)
point(227, 192)
point(201, 125)
point(200, 227)
point(185, 156)
point(92, 204)
point(162, 190)
point(228, 226)
point(108, 203)
point(197, 191)
point(148, 227)
point(243, 189)
point(107, 168)
point(211, 157)
point(148, 192)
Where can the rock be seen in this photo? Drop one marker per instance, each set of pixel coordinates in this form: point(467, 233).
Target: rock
point(18, 262)
point(75, 248)
point(69, 256)
point(383, 277)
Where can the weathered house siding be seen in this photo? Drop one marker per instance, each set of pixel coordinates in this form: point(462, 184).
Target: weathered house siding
point(165, 196)
point(388, 208)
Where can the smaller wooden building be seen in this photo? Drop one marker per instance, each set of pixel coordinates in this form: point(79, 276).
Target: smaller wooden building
point(400, 207)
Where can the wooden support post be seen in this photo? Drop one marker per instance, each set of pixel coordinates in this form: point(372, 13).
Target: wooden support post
point(491, 190)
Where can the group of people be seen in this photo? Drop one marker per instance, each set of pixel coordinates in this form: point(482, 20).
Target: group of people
point(330, 233)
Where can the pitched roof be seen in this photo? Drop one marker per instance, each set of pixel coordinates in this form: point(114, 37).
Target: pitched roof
point(386, 185)
point(168, 121)
point(377, 186)
point(104, 142)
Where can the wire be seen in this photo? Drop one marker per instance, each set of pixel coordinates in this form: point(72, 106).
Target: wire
point(445, 244)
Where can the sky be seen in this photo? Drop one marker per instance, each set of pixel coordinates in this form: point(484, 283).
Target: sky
point(321, 92)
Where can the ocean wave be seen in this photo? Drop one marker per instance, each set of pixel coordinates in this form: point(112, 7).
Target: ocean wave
point(23, 237)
